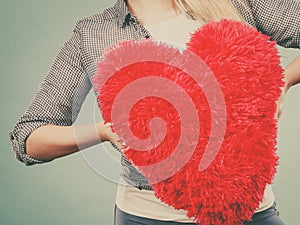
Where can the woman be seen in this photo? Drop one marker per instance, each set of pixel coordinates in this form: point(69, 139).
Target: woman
point(45, 131)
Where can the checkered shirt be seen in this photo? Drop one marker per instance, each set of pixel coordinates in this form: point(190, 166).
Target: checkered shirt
point(64, 88)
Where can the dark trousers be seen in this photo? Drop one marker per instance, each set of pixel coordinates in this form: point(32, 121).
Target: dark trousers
point(267, 217)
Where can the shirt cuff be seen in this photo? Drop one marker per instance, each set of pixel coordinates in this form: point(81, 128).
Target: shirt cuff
point(18, 146)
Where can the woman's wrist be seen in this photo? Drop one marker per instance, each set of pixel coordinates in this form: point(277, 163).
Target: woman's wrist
point(287, 81)
point(102, 131)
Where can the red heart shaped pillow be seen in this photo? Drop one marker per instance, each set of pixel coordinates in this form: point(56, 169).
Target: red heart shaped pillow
point(198, 123)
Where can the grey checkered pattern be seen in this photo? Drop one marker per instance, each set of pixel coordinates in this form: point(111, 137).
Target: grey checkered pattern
point(68, 81)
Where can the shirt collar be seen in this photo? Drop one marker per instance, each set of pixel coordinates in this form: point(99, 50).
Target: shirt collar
point(125, 18)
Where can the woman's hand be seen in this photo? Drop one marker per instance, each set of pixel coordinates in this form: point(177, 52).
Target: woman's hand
point(281, 101)
point(106, 133)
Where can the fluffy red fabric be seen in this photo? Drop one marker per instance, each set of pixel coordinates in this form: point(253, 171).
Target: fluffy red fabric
point(246, 66)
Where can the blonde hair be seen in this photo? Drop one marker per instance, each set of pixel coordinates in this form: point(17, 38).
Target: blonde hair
point(206, 10)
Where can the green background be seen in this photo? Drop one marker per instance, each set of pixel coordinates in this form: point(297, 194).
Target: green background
point(68, 191)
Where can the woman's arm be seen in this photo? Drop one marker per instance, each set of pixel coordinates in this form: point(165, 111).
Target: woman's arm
point(49, 142)
point(291, 78)
point(55, 106)
point(292, 73)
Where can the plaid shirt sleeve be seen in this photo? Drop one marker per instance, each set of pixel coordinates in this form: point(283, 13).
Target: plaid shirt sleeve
point(58, 98)
point(279, 19)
